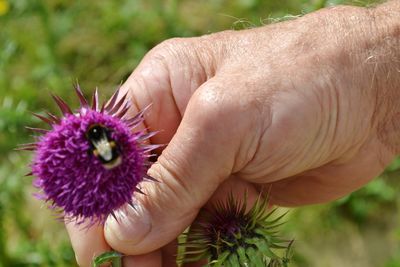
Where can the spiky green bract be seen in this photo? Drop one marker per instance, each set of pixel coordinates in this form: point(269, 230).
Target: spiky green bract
point(228, 235)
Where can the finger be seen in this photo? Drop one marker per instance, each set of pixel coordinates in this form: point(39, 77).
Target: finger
point(86, 242)
point(196, 161)
point(152, 259)
point(169, 253)
point(237, 187)
point(166, 78)
point(151, 83)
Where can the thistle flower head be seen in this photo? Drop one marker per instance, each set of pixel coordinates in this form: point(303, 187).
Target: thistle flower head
point(90, 162)
point(230, 236)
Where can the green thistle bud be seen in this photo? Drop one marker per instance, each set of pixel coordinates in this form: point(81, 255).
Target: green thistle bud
point(230, 236)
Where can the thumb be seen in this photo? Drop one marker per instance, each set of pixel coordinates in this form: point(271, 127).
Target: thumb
point(198, 158)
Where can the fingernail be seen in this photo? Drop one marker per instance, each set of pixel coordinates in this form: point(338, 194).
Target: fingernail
point(132, 226)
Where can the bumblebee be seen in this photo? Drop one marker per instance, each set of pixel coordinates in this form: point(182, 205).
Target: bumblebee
point(103, 147)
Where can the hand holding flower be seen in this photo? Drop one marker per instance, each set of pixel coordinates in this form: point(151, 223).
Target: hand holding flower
point(306, 106)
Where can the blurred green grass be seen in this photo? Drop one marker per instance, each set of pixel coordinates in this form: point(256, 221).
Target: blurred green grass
point(46, 45)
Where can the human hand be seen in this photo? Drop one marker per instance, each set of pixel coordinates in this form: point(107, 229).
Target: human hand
point(304, 107)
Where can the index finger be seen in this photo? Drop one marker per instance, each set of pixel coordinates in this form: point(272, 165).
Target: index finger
point(87, 242)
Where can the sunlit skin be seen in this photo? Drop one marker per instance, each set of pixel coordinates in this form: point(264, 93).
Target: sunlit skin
point(304, 108)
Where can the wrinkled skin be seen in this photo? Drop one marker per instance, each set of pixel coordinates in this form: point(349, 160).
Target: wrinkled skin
point(303, 109)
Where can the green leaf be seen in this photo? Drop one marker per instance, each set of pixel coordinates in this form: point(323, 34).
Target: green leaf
point(254, 257)
point(263, 247)
point(242, 255)
point(233, 261)
point(221, 259)
point(113, 257)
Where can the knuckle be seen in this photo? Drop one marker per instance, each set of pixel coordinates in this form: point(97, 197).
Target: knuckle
point(169, 52)
point(195, 53)
point(206, 111)
point(225, 102)
point(172, 42)
point(210, 99)
point(169, 47)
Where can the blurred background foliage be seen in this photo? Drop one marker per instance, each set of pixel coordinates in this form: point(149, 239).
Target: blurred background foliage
point(46, 45)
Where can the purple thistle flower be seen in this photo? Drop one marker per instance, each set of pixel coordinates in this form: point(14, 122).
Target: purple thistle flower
point(90, 163)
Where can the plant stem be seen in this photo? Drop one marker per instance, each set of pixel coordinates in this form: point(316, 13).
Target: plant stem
point(116, 262)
